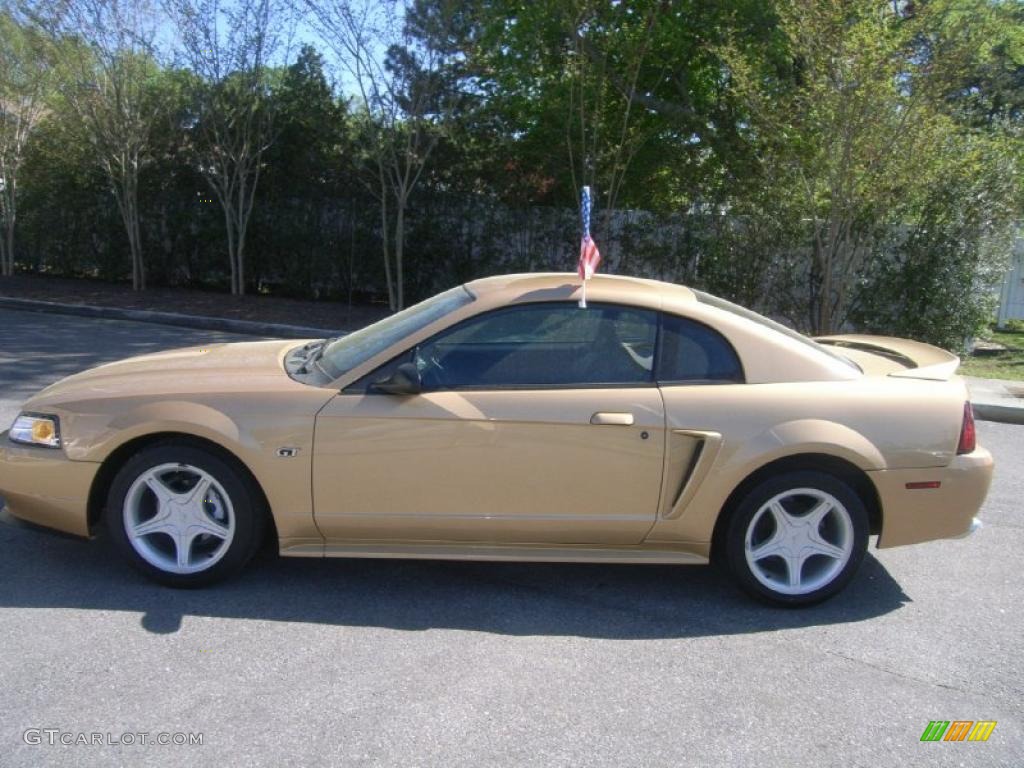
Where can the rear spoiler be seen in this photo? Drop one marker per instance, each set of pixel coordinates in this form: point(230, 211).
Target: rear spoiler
point(922, 361)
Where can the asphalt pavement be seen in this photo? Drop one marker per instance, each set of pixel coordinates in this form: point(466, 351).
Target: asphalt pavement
point(376, 662)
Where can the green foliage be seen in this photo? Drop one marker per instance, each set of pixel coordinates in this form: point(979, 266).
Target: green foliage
point(939, 281)
point(834, 163)
point(69, 224)
point(26, 82)
point(304, 168)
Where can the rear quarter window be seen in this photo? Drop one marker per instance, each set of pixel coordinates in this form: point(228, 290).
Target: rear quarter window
point(693, 352)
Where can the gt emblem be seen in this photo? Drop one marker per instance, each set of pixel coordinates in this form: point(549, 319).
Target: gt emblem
point(287, 453)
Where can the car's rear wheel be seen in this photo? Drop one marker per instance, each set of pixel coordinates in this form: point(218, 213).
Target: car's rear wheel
point(184, 516)
point(797, 538)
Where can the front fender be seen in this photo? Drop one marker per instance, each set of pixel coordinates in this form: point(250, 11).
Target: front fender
point(94, 437)
point(254, 432)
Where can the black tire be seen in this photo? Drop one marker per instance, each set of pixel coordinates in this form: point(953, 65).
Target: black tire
point(833, 574)
point(245, 505)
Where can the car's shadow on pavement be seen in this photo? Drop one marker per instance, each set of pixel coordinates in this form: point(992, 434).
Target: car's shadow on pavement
point(42, 570)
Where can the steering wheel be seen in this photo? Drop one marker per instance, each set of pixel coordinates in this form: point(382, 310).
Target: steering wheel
point(431, 369)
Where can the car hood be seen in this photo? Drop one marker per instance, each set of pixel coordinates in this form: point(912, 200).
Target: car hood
point(221, 368)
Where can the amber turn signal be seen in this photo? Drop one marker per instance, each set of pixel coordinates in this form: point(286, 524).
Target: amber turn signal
point(36, 429)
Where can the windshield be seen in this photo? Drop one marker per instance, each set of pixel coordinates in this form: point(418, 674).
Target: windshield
point(346, 352)
point(736, 309)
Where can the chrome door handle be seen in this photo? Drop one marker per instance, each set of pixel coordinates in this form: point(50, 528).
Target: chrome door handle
point(617, 419)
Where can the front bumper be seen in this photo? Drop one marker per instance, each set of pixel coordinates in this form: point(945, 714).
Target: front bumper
point(43, 486)
point(910, 516)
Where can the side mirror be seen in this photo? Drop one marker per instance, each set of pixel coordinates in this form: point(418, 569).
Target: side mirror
point(404, 381)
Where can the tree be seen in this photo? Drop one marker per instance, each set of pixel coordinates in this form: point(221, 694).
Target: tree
point(935, 280)
point(833, 163)
point(108, 61)
point(401, 104)
point(849, 130)
point(307, 177)
point(26, 77)
point(602, 133)
point(231, 46)
point(583, 60)
point(625, 97)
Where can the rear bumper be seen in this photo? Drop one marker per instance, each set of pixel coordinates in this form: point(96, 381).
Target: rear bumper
point(43, 486)
point(910, 516)
point(975, 527)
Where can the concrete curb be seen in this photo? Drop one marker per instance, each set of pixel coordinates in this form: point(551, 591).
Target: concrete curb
point(200, 322)
point(995, 400)
point(1006, 414)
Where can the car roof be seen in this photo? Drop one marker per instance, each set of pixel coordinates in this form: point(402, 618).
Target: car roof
point(768, 355)
point(554, 286)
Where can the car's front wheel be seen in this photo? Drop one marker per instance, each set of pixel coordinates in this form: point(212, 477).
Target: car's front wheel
point(183, 515)
point(797, 538)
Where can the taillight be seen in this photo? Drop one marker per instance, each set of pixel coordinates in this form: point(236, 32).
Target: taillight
point(968, 437)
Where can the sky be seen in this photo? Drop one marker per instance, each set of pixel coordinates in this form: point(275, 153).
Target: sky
point(295, 33)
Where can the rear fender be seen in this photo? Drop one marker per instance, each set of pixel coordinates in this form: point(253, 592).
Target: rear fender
point(696, 522)
point(809, 436)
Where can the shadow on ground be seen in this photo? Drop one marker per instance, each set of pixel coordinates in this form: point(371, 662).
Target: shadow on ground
point(42, 570)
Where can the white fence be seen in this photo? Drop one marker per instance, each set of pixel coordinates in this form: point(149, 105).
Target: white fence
point(1011, 296)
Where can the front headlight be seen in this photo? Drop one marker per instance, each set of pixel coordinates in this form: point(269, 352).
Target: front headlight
point(36, 429)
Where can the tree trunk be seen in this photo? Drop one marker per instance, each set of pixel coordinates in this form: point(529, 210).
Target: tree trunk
point(399, 255)
point(824, 324)
point(8, 250)
point(137, 230)
point(241, 263)
point(7, 245)
point(127, 203)
point(131, 225)
point(825, 317)
point(241, 223)
point(386, 244)
point(230, 231)
point(351, 253)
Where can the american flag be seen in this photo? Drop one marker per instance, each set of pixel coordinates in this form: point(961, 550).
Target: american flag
point(590, 257)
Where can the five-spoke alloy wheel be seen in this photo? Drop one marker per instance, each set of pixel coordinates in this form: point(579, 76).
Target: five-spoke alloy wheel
point(178, 518)
point(797, 538)
point(183, 515)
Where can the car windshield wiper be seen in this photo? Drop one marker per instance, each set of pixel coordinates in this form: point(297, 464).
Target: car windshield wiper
point(314, 351)
point(317, 353)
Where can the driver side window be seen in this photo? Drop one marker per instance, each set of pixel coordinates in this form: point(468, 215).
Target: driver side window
point(543, 345)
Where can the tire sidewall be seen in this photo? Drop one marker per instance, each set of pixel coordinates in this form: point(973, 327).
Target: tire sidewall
point(249, 516)
point(735, 541)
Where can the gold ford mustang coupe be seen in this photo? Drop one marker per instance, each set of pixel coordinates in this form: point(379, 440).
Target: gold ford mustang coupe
point(500, 420)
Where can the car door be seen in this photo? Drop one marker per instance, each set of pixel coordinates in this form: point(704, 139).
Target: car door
point(538, 424)
point(698, 371)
